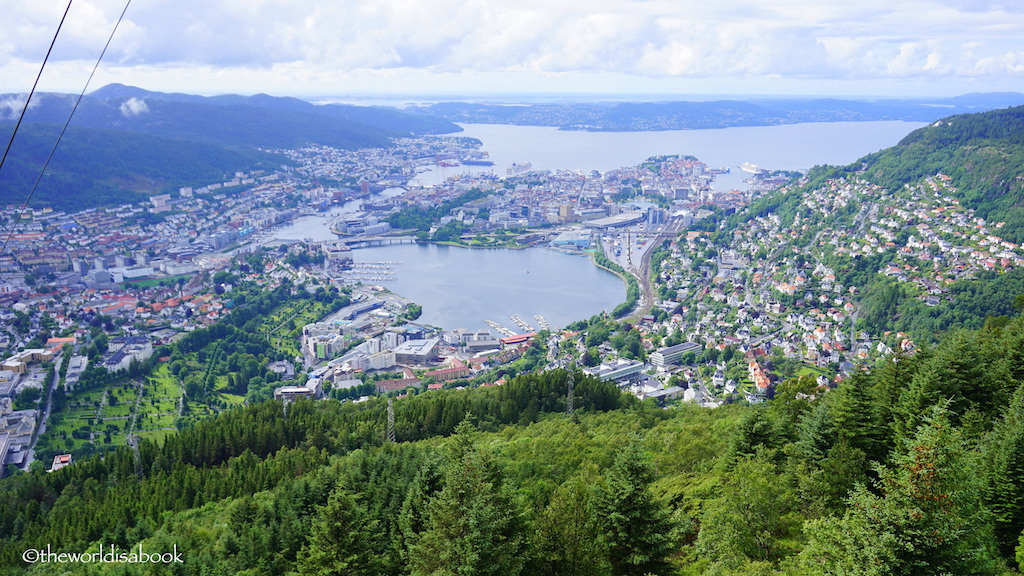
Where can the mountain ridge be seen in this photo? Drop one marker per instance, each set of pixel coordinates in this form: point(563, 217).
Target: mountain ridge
point(689, 115)
point(129, 130)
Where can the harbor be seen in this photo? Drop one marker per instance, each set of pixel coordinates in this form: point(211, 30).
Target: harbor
point(499, 328)
point(520, 323)
point(369, 271)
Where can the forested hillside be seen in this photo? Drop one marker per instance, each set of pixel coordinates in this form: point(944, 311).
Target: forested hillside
point(912, 468)
point(922, 237)
point(125, 143)
point(94, 168)
point(982, 153)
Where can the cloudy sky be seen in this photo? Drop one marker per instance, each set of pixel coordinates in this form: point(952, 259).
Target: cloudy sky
point(682, 47)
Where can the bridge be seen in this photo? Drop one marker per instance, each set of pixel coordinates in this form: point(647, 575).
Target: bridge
point(368, 241)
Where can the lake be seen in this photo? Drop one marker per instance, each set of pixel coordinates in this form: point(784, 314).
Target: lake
point(462, 287)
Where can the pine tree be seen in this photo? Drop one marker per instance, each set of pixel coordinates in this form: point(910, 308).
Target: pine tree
point(341, 540)
point(638, 529)
point(567, 540)
point(928, 520)
point(472, 526)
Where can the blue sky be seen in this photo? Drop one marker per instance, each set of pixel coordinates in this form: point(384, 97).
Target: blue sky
point(669, 47)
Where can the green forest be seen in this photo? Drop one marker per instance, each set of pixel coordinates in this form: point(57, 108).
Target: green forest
point(915, 467)
point(96, 167)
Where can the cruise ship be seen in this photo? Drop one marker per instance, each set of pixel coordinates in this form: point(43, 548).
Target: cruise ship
point(518, 168)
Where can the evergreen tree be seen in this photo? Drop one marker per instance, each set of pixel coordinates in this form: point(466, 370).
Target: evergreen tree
point(567, 534)
point(472, 527)
point(927, 520)
point(342, 540)
point(638, 529)
point(1004, 490)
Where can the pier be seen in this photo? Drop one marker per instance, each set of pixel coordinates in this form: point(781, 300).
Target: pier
point(542, 322)
point(521, 323)
point(368, 271)
point(499, 328)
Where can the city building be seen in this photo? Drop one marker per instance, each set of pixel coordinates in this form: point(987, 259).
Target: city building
point(417, 352)
point(622, 371)
point(663, 358)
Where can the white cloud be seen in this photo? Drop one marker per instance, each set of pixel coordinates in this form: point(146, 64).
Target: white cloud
point(134, 107)
point(312, 42)
point(12, 105)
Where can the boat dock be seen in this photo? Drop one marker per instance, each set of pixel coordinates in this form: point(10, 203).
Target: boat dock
point(352, 276)
point(521, 323)
point(499, 328)
point(542, 322)
point(368, 271)
point(382, 265)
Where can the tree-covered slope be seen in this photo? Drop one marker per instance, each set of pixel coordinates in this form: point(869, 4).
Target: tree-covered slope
point(126, 143)
point(93, 167)
point(911, 468)
point(984, 155)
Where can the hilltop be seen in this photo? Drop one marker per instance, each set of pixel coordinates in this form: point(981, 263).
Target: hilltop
point(886, 253)
point(983, 154)
point(127, 143)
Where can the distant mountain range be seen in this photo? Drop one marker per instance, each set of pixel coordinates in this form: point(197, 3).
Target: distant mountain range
point(126, 143)
point(624, 116)
point(258, 121)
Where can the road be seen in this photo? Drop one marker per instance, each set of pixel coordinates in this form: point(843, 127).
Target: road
point(41, 426)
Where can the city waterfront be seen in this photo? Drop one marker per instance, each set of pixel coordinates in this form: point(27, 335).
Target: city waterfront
point(461, 287)
point(785, 147)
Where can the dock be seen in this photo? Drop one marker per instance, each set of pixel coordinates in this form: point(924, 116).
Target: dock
point(521, 323)
point(499, 328)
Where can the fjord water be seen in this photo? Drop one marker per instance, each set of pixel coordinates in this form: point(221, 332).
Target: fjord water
point(787, 147)
point(461, 287)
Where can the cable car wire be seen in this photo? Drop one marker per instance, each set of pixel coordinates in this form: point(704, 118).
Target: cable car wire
point(68, 122)
point(34, 85)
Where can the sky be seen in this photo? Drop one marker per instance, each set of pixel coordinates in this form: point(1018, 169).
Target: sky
point(871, 48)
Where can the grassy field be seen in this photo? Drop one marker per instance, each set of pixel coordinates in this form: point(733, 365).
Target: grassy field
point(91, 415)
point(156, 435)
point(232, 399)
point(813, 371)
point(156, 421)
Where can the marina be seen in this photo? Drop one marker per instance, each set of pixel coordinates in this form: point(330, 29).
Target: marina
point(369, 271)
point(381, 265)
point(354, 278)
point(521, 323)
point(542, 322)
point(499, 328)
